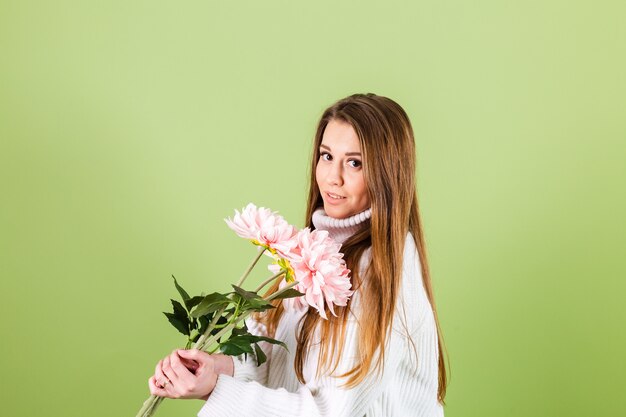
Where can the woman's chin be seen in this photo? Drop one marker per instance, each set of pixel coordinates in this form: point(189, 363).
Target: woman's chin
point(336, 212)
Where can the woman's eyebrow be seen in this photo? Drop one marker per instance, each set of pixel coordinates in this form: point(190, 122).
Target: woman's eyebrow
point(347, 153)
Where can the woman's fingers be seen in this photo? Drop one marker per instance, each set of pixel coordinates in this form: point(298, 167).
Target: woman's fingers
point(189, 364)
point(179, 367)
point(182, 382)
point(155, 388)
point(168, 391)
point(173, 379)
point(160, 377)
point(203, 359)
point(170, 373)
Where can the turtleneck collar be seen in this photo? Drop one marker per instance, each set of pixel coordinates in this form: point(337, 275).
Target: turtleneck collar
point(340, 229)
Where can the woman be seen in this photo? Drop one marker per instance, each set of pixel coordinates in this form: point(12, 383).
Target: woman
point(380, 356)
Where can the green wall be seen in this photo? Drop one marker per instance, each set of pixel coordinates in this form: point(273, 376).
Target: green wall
point(130, 129)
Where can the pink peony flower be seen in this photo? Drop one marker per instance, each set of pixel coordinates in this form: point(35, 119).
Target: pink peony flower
point(320, 271)
point(264, 228)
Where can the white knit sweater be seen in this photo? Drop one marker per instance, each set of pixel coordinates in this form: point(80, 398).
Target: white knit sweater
point(406, 387)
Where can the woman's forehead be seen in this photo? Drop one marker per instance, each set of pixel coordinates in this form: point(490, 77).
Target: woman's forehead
point(340, 137)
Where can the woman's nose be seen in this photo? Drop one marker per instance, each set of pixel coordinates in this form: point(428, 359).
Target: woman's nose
point(334, 176)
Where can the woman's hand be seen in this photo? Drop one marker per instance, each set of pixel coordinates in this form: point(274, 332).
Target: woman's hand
point(187, 374)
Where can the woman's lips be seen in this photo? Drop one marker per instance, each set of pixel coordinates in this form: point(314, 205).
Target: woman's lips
point(333, 198)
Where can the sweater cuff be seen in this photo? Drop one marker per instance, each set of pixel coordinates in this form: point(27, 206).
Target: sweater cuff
point(226, 398)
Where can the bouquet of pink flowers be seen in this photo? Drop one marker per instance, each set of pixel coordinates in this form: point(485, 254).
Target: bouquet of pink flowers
point(311, 270)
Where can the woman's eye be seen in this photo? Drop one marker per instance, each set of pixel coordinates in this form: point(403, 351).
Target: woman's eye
point(354, 163)
point(325, 156)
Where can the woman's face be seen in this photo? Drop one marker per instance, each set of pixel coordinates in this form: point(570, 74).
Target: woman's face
point(339, 171)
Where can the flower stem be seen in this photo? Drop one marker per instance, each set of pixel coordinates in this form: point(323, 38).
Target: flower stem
point(146, 406)
point(208, 342)
point(270, 279)
point(150, 406)
point(247, 272)
point(209, 328)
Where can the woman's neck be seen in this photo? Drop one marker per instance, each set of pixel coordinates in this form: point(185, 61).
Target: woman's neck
point(340, 229)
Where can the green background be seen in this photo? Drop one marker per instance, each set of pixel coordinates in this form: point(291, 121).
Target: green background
point(130, 129)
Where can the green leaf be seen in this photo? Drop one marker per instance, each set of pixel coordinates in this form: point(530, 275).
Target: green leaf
point(179, 311)
point(240, 331)
point(236, 346)
point(256, 305)
point(246, 295)
point(249, 300)
point(204, 322)
point(269, 340)
point(261, 358)
point(290, 293)
point(210, 303)
point(180, 289)
point(250, 339)
point(193, 301)
point(181, 326)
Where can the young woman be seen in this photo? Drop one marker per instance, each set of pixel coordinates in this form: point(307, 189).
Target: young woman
point(381, 355)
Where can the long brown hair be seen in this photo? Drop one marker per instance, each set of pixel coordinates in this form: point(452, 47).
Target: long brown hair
point(388, 149)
